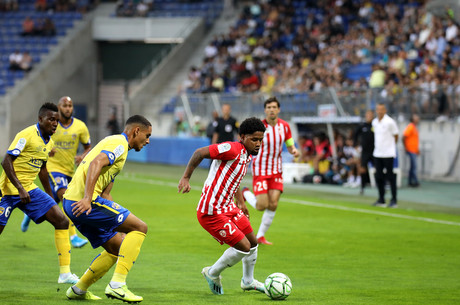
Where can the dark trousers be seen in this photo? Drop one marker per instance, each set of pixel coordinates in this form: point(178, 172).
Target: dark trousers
point(380, 177)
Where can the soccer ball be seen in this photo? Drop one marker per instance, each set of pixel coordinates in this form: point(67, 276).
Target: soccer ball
point(278, 286)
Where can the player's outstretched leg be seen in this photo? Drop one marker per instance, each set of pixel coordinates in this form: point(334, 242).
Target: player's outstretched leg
point(75, 240)
point(25, 223)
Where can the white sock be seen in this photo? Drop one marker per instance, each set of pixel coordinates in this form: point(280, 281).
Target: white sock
point(267, 220)
point(230, 257)
point(249, 261)
point(250, 198)
point(64, 275)
point(116, 285)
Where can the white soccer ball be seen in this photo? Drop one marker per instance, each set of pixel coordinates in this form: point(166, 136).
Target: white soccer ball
point(278, 286)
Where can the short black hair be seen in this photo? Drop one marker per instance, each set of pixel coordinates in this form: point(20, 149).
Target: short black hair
point(271, 100)
point(251, 125)
point(138, 119)
point(47, 107)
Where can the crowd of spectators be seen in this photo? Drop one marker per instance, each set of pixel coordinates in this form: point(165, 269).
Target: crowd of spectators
point(81, 6)
point(134, 8)
point(316, 150)
point(20, 61)
point(9, 5)
point(41, 27)
point(270, 51)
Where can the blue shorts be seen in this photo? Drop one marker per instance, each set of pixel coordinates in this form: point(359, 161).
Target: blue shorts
point(59, 181)
point(99, 226)
point(40, 203)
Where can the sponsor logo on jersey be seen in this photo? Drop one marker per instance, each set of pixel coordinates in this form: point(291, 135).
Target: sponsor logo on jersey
point(21, 144)
point(119, 150)
point(111, 156)
point(223, 147)
point(15, 152)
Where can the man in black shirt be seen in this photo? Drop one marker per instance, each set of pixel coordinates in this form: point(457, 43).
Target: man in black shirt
point(227, 126)
point(364, 135)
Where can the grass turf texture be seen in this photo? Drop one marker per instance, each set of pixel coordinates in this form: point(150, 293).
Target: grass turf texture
point(340, 251)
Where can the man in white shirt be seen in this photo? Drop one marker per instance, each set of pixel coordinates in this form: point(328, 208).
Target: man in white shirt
point(385, 139)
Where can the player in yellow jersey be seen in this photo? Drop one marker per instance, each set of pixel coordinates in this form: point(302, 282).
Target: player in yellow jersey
point(25, 159)
point(89, 204)
point(69, 134)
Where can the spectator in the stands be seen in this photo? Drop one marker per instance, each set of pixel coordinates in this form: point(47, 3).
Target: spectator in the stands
point(142, 9)
point(15, 59)
point(9, 5)
point(41, 5)
point(28, 27)
point(26, 62)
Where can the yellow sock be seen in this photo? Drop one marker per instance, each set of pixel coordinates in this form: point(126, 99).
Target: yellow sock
point(72, 230)
point(127, 255)
point(98, 267)
point(61, 238)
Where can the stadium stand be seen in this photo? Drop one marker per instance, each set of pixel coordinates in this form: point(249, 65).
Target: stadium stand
point(37, 43)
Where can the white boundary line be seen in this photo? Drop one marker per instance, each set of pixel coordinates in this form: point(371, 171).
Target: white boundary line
point(309, 203)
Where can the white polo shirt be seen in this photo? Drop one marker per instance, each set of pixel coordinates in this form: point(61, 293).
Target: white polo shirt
point(384, 137)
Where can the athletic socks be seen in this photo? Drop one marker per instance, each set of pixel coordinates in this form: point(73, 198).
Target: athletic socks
point(230, 257)
point(127, 255)
point(250, 198)
point(61, 239)
point(249, 261)
point(98, 267)
point(267, 220)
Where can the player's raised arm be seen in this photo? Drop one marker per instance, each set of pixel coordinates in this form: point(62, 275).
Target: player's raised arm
point(195, 160)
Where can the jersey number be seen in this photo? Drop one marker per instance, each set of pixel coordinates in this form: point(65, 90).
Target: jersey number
point(8, 211)
point(230, 229)
point(261, 185)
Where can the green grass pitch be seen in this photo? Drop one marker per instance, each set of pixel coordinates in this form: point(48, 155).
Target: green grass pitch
point(335, 248)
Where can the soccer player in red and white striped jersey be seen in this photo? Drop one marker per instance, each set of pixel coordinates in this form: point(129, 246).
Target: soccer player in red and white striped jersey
point(217, 213)
point(267, 167)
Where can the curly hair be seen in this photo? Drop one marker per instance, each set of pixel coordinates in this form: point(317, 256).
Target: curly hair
point(251, 125)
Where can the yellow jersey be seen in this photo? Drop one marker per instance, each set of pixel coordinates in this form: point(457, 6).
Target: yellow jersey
point(31, 151)
point(66, 141)
point(116, 148)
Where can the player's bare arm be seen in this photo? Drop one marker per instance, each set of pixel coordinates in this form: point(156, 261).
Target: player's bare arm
point(8, 167)
point(43, 175)
point(79, 158)
point(293, 151)
point(94, 171)
point(239, 200)
point(195, 160)
point(106, 193)
point(52, 152)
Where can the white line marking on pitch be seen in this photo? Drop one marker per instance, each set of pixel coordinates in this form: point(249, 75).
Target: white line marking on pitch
point(311, 203)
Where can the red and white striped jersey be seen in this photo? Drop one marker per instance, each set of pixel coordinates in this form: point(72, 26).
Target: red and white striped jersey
point(229, 166)
point(268, 162)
